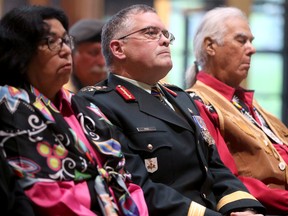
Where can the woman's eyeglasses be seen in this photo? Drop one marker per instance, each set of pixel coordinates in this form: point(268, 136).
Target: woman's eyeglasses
point(56, 44)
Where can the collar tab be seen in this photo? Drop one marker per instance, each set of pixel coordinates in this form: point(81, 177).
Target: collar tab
point(125, 93)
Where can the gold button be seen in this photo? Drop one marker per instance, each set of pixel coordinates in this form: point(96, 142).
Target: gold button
point(282, 166)
point(150, 146)
point(204, 195)
point(206, 168)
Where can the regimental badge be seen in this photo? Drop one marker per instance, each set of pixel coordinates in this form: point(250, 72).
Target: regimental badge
point(204, 131)
point(151, 164)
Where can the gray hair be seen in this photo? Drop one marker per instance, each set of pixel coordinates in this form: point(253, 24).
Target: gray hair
point(118, 24)
point(212, 25)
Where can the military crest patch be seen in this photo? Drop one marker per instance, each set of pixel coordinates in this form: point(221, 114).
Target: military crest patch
point(151, 164)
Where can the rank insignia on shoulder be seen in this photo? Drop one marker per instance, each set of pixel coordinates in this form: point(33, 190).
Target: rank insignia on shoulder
point(97, 88)
point(125, 93)
point(93, 88)
point(151, 164)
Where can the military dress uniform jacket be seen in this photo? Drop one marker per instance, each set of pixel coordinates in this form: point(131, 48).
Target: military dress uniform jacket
point(180, 173)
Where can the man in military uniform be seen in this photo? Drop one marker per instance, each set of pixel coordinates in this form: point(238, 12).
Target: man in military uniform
point(171, 156)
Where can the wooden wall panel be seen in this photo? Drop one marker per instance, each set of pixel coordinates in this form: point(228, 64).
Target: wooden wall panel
point(244, 5)
point(39, 2)
point(76, 9)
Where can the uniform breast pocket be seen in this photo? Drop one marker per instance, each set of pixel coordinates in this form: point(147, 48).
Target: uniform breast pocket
point(157, 154)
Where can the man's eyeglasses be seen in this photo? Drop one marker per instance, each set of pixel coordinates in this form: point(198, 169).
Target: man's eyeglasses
point(152, 33)
point(56, 44)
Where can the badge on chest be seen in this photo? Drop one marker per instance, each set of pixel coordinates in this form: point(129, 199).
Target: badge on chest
point(151, 164)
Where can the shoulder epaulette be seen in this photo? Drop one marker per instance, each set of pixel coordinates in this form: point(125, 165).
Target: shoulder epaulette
point(95, 89)
point(169, 85)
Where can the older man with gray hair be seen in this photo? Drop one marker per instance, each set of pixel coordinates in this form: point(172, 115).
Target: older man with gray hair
point(89, 63)
point(255, 142)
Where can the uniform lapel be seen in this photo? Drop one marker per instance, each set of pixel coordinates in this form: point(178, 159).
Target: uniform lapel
point(184, 104)
point(149, 104)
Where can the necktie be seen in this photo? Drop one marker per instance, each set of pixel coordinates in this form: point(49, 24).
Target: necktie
point(156, 92)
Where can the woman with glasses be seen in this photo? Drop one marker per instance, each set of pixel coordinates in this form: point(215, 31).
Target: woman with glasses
point(65, 151)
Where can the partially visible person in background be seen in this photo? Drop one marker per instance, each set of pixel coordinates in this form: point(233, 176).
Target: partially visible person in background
point(255, 142)
point(68, 153)
point(89, 63)
point(13, 201)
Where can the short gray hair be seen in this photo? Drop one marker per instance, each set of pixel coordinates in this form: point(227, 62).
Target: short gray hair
point(118, 24)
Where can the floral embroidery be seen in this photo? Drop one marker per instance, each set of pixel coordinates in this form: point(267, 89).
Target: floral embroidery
point(54, 155)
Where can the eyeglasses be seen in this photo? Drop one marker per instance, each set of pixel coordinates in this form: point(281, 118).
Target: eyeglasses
point(56, 44)
point(152, 33)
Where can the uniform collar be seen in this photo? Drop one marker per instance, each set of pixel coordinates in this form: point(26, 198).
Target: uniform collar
point(141, 85)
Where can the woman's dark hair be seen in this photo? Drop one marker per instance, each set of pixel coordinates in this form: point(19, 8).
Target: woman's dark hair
point(21, 31)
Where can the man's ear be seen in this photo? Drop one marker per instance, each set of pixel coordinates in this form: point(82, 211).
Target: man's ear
point(117, 49)
point(209, 46)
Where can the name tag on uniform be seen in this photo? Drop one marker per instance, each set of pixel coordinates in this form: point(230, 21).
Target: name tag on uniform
point(146, 129)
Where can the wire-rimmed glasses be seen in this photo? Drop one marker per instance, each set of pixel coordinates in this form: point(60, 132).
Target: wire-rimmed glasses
point(152, 33)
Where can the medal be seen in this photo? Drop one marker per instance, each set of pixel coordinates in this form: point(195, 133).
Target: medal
point(204, 131)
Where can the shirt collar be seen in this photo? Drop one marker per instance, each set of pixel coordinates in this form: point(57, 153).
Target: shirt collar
point(227, 91)
point(141, 85)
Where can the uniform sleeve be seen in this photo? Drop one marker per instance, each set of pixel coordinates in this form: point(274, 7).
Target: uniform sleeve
point(272, 199)
point(65, 198)
point(229, 191)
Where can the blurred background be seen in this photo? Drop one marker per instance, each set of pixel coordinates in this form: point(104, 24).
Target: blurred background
point(268, 74)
